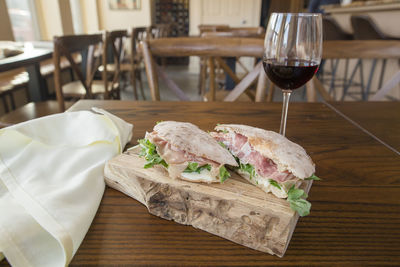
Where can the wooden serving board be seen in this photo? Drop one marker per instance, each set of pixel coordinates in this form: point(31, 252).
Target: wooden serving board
point(235, 210)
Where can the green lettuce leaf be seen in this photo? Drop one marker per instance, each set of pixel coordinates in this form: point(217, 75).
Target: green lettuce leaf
point(302, 207)
point(222, 144)
point(296, 198)
point(313, 177)
point(223, 174)
point(248, 168)
point(194, 167)
point(275, 183)
point(149, 152)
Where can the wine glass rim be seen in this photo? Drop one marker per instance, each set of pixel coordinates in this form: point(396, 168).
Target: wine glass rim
point(305, 14)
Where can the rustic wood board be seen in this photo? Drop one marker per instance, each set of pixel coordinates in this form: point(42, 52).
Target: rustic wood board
point(235, 210)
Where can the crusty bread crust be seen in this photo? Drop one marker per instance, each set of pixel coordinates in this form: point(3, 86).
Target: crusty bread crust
point(188, 137)
point(283, 152)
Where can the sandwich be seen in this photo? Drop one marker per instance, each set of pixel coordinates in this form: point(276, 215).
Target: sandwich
point(186, 152)
point(270, 161)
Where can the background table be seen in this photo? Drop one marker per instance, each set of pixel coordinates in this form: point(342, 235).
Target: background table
point(355, 214)
point(31, 60)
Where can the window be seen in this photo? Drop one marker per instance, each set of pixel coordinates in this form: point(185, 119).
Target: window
point(23, 20)
point(76, 13)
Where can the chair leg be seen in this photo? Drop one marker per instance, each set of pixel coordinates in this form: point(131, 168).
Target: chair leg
point(5, 104)
point(203, 78)
point(200, 84)
point(71, 74)
point(12, 100)
point(371, 73)
point(362, 80)
point(382, 73)
point(139, 77)
point(211, 66)
point(346, 69)
point(334, 64)
point(347, 85)
point(133, 80)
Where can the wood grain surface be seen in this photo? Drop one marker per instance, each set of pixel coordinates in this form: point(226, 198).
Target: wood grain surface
point(381, 119)
point(361, 49)
point(31, 111)
point(355, 214)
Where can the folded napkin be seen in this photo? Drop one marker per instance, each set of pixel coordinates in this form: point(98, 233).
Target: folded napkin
point(51, 183)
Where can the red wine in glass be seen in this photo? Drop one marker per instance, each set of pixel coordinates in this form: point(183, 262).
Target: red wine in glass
point(292, 52)
point(290, 74)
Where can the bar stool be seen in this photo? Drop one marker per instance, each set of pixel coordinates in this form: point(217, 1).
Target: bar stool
point(365, 29)
point(332, 32)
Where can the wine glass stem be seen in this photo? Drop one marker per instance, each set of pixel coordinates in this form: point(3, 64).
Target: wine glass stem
point(286, 96)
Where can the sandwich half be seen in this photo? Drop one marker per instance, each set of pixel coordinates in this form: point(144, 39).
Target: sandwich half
point(186, 152)
point(269, 161)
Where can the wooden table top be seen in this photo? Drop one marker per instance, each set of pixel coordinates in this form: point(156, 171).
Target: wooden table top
point(29, 56)
point(355, 214)
point(381, 119)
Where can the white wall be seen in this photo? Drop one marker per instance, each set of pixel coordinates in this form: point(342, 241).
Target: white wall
point(123, 19)
point(235, 13)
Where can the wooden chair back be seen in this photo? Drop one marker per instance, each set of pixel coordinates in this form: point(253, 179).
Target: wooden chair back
point(244, 32)
point(209, 48)
point(65, 46)
point(115, 43)
point(255, 32)
point(137, 35)
point(357, 49)
point(332, 29)
point(159, 31)
point(213, 27)
point(365, 28)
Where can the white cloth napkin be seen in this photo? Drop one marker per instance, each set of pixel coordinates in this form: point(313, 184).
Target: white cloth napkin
point(51, 183)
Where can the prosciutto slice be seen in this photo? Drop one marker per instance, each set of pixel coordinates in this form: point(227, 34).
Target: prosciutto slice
point(178, 159)
point(240, 147)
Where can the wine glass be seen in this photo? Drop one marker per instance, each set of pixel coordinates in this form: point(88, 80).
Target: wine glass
point(292, 52)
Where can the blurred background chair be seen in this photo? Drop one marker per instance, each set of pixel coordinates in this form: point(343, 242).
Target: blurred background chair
point(113, 53)
point(162, 30)
point(225, 68)
point(209, 49)
point(76, 52)
point(333, 31)
point(366, 29)
point(133, 65)
point(86, 86)
point(353, 49)
point(159, 30)
point(47, 72)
